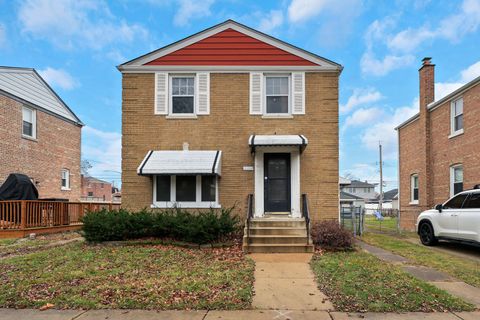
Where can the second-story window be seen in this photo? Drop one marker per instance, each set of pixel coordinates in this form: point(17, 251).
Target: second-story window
point(183, 95)
point(457, 116)
point(29, 126)
point(277, 94)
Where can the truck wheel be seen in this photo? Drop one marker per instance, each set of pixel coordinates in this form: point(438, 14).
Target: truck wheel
point(427, 236)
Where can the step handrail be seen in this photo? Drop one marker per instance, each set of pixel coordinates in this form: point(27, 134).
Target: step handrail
point(306, 215)
point(249, 216)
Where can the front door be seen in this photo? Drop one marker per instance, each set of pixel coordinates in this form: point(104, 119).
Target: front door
point(277, 182)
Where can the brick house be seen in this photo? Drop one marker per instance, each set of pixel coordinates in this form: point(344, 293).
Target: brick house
point(94, 189)
point(229, 112)
point(439, 154)
point(39, 134)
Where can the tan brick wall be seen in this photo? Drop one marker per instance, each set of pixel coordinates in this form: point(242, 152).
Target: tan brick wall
point(228, 128)
point(57, 146)
point(444, 152)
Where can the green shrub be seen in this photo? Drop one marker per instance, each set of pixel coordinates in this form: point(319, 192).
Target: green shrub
point(199, 227)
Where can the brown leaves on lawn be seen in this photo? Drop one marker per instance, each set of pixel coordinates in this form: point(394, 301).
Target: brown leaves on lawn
point(40, 292)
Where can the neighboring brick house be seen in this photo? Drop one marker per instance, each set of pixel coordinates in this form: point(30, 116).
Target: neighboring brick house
point(39, 134)
point(94, 189)
point(237, 101)
point(439, 153)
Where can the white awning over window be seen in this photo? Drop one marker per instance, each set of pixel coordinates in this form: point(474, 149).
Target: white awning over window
point(197, 162)
point(277, 140)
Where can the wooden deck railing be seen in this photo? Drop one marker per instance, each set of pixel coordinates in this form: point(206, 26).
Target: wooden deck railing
point(27, 214)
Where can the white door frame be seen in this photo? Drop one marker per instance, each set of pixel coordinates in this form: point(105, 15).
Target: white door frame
point(294, 176)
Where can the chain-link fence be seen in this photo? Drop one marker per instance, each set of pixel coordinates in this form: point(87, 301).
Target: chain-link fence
point(383, 221)
point(361, 220)
point(352, 218)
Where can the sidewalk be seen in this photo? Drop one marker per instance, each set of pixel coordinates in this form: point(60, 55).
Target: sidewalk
point(11, 314)
point(436, 278)
point(285, 281)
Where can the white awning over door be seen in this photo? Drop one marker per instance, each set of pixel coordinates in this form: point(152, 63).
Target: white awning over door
point(277, 140)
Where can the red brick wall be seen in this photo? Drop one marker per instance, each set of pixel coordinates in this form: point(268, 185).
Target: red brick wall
point(95, 187)
point(57, 147)
point(444, 152)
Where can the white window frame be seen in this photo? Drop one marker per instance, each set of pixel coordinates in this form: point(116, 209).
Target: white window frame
point(34, 123)
point(197, 204)
point(452, 177)
point(412, 188)
point(277, 75)
point(65, 172)
point(454, 132)
point(170, 95)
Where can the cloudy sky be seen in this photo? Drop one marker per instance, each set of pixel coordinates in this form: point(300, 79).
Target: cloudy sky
point(76, 44)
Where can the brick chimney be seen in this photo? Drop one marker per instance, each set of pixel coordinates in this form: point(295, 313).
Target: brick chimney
point(427, 96)
point(427, 82)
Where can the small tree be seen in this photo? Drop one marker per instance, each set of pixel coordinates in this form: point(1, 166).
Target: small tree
point(85, 165)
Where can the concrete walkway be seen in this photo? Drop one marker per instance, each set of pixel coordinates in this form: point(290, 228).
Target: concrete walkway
point(285, 281)
point(11, 314)
point(434, 277)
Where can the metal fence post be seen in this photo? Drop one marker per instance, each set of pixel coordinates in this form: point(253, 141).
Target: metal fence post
point(353, 222)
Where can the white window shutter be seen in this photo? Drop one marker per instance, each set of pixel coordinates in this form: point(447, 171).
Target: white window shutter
point(203, 93)
point(256, 93)
point(161, 93)
point(298, 92)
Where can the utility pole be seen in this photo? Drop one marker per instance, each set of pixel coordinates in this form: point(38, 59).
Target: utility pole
point(380, 199)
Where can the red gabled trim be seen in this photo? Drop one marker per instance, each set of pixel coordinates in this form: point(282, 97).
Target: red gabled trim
point(233, 48)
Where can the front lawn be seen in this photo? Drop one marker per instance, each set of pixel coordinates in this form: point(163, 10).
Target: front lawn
point(130, 276)
point(359, 282)
point(463, 269)
point(24, 245)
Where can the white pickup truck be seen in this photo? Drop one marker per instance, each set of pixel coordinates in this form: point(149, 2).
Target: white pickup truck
point(457, 219)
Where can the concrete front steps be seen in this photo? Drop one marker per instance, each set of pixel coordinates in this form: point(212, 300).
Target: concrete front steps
point(277, 235)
